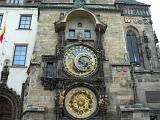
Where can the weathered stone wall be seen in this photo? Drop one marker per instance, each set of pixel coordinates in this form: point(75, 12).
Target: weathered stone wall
point(87, 1)
point(46, 40)
point(117, 78)
point(116, 67)
point(143, 24)
point(147, 82)
point(147, 75)
point(113, 39)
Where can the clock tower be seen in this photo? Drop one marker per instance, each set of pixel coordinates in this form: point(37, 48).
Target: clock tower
point(80, 55)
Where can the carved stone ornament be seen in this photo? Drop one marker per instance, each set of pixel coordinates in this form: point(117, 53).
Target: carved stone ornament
point(158, 51)
point(127, 20)
point(61, 98)
point(141, 21)
point(155, 38)
point(80, 36)
point(148, 51)
point(81, 102)
point(145, 37)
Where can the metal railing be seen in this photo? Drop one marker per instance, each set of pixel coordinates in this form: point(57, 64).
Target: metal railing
point(49, 72)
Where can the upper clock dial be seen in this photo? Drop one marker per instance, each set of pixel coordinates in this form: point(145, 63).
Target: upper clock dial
point(80, 61)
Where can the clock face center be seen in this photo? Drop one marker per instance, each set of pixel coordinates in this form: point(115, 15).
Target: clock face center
point(81, 102)
point(82, 62)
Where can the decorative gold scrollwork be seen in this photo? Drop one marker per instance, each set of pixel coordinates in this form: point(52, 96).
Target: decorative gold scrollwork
point(81, 102)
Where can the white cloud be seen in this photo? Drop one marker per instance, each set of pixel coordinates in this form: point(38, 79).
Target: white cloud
point(155, 9)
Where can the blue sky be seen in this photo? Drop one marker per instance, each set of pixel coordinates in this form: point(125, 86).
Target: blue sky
point(155, 9)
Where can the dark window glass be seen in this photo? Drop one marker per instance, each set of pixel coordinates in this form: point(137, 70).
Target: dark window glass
point(87, 34)
point(49, 70)
point(14, 1)
point(20, 55)
point(25, 22)
point(72, 33)
point(152, 96)
point(1, 17)
point(133, 47)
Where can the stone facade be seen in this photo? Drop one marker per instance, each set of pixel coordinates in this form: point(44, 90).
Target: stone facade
point(126, 83)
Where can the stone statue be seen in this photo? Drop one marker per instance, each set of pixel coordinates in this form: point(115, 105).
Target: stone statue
point(148, 51)
point(103, 101)
point(158, 51)
point(4, 74)
point(61, 98)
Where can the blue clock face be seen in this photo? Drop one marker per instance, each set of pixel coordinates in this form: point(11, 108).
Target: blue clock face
point(80, 61)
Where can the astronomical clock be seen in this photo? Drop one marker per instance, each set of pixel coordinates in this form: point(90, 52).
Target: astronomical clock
point(78, 78)
point(81, 100)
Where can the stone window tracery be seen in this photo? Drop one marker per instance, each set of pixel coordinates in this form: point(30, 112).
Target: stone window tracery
point(133, 45)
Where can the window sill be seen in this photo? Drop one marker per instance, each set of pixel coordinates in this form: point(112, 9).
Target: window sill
point(72, 38)
point(18, 66)
point(23, 29)
point(83, 39)
point(87, 39)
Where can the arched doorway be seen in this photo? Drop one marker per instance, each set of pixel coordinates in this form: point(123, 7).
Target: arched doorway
point(10, 104)
point(5, 109)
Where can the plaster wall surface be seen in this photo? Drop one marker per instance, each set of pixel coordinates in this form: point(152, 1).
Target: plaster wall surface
point(15, 36)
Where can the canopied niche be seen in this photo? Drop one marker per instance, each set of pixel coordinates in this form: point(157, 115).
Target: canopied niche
point(83, 14)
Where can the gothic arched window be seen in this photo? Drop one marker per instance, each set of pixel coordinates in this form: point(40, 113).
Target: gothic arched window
point(133, 47)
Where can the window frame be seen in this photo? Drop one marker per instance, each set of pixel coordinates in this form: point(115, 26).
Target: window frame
point(14, 1)
point(49, 69)
point(1, 20)
point(18, 45)
point(70, 34)
point(25, 15)
point(138, 44)
point(89, 31)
